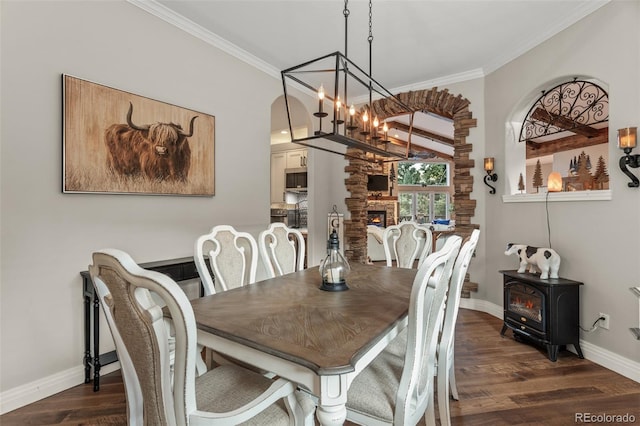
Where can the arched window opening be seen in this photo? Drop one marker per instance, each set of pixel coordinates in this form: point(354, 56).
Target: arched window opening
point(566, 130)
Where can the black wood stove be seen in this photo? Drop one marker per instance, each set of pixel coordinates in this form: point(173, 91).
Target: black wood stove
point(545, 311)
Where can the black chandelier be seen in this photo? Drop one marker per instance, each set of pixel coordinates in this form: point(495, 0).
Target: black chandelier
point(339, 84)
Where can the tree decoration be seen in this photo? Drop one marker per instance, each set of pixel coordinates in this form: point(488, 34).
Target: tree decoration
point(521, 184)
point(584, 176)
point(537, 176)
point(392, 178)
point(601, 177)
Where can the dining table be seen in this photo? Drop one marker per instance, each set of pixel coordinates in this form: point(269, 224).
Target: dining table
point(318, 339)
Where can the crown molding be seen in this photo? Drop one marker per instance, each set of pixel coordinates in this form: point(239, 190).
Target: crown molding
point(441, 81)
point(160, 11)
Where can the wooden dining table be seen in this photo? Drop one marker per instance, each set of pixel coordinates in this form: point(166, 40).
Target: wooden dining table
point(320, 340)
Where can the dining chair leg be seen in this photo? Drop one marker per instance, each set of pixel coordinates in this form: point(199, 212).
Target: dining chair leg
point(452, 380)
point(430, 415)
point(443, 396)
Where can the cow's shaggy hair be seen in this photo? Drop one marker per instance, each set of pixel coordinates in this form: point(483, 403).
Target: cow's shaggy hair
point(159, 151)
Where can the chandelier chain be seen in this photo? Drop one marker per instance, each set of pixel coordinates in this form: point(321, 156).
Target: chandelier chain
point(346, 13)
point(370, 39)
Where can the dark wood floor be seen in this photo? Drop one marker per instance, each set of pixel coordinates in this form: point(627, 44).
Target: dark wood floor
point(501, 382)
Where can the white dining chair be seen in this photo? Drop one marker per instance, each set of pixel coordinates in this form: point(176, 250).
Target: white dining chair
point(406, 242)
point(232, 255)
point(282, 249)
point(225, 395)
point(397, 390)
point(444, 361)
point(446, 377)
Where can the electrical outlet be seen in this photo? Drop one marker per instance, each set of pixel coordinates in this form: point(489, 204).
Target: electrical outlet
point(605, 322)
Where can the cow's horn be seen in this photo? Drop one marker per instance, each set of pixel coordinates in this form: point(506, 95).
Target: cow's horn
point(188, 135)
point(133, 126)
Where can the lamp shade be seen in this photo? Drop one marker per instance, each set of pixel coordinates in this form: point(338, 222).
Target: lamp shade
point(488, 164)
point(627, 137)
point(554, 182)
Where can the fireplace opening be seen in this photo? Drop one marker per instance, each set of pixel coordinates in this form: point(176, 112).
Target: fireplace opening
point(377, 218)
point(525, 304)
point(525, 301)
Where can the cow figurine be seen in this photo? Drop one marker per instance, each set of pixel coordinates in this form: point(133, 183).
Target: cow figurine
point(545, 259)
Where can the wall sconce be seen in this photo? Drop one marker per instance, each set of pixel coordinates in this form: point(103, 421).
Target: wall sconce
point(627, 140)
point(554, 182)
point(490, 177)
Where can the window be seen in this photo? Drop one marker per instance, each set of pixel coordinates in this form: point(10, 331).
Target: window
point(424, 191)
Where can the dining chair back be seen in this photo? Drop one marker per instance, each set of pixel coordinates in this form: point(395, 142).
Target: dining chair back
point(446, 378)
point(233, 257)
point(397, 389)
point(282, 249)
point(406, 242)
point(224, 395)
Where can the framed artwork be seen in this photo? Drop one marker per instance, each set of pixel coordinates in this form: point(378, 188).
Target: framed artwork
point(115, 142)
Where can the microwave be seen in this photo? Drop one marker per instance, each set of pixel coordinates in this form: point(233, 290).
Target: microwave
point(296, 179)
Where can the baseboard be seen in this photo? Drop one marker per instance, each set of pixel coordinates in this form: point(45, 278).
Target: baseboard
point(39, 389)
point(593, 353)
point(482, 306)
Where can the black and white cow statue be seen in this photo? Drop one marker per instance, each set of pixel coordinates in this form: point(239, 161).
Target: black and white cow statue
point(545, 259)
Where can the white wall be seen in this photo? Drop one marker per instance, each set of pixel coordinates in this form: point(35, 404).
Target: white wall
point(47, 237)
point(598, 241)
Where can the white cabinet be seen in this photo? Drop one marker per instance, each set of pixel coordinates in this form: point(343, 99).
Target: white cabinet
point(280, 161)
point(296, 158)
point(278, 164)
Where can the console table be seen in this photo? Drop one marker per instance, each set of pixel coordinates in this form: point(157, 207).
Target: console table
point(180, 269)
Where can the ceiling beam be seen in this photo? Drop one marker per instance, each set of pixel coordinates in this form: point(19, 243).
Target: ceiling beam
point(564, 123)
point(539, 149)
point(420, 132)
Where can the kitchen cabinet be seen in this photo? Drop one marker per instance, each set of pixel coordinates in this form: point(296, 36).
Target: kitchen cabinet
point(278, 164)
point(296, 158)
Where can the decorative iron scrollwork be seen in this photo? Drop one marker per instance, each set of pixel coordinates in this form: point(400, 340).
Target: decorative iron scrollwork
point(568, 106)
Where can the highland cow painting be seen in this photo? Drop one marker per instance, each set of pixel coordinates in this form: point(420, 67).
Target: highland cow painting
point(118, 142)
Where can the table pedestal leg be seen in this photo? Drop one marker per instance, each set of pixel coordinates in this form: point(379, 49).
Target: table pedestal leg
point(332, 410)
point(331, 416)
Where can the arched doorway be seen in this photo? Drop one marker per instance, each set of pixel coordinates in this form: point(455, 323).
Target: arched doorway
point(434, 101)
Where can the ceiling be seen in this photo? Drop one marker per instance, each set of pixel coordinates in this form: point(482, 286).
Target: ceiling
point(416, 44)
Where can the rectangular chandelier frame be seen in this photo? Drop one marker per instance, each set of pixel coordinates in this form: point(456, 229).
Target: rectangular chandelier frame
point(333, 127)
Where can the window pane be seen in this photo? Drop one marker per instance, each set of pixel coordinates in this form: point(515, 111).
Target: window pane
point(434, 174)
point(408, 173)
point(422, 208)
point(406, 205)
point(440, 206)
point(412, 173)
